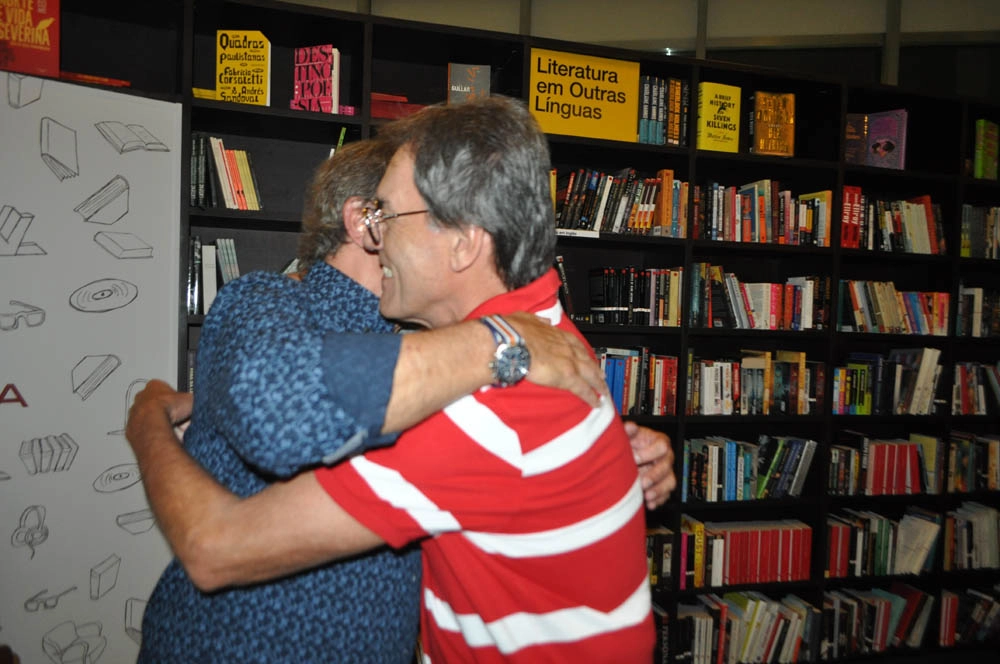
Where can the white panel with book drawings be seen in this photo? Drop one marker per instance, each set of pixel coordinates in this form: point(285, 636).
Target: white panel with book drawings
point(89, 246)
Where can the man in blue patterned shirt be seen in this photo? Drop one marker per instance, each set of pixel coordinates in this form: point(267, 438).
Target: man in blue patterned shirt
point(253, 424)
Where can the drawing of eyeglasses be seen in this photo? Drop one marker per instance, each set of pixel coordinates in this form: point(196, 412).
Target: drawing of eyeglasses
point(37, 601)
point(29, 313)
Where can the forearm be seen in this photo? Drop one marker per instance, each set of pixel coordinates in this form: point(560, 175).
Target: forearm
point(224, 540)
point(435, 368)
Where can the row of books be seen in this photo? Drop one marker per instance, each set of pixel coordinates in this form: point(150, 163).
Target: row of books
point(978, 312)
point(641, 382)
point(973, 462)
point(748, 627)
point(971, 539)
point(860, 465)
point(209, 267)
point(592, 201)
point(636, 296)
point(763, 212)
point(969, 392)
point(866, 543)
point(969, 616)
point(880, 223)
point(862, 622)
point(761, 382)
point(720, 300)
point(664, 110)
point(221, 176)
point(980, 231)
point(902, 382)
point(660, 558)
point(878, 307)
point(717, 468)
point(722, 553)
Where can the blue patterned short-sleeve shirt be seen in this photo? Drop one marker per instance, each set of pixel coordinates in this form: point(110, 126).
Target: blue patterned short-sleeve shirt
point(264, 409)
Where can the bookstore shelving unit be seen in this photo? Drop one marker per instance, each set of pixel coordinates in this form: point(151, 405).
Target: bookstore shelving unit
point(167, 48)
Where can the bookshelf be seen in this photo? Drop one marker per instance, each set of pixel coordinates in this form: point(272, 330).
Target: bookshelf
point(167, 48)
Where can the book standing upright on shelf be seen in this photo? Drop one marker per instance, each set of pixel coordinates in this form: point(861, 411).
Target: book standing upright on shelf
point(29, 37)
point(985, 149)
point(243, 67)
point(886, 144)
point(718, 117)
point(316, 78)
point(855, 138)
point(772, 123)
point(467, 81)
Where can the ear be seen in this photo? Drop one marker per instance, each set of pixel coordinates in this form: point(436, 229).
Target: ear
point(469, 244)
point(353, 219)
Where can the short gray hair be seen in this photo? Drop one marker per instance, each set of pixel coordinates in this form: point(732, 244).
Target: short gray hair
point(486, 162)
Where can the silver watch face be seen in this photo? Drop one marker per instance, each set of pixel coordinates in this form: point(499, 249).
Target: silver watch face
point(511, 364)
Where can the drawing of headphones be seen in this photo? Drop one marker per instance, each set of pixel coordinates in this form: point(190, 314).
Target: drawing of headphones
point(31, 530)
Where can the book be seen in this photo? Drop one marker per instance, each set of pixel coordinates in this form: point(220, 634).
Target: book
point(985, 149)
point(718, 117)
point(209, 266)
point(316, 79)
point(855, 137)
point(126, 138)
point(772, 123)
point(58, 149)
point(243, 67)
point(886, 141)
point(29, 37)
point(467, 81)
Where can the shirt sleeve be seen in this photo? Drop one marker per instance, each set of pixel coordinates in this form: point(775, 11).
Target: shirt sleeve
point(260, 382)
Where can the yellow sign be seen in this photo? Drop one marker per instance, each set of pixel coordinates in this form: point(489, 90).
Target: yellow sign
point(243, 67)
point(581, 95)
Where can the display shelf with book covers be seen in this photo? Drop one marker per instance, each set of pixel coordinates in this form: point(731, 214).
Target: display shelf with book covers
point(285, 32)
point(932, 130)
point(420, 73)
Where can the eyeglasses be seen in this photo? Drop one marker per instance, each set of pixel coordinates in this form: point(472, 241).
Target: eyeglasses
point(373, 216)
point(37, 601)
point(31, 315)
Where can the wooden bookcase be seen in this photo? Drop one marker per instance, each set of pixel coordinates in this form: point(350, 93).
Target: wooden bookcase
point(165, 48)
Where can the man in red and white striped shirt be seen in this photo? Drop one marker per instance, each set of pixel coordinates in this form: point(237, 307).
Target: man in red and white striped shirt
point(525, 499)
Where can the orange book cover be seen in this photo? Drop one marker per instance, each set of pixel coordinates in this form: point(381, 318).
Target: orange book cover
point(29, 37)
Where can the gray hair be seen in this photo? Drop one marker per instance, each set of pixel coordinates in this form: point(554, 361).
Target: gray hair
point(486, 162)
point(353, 170)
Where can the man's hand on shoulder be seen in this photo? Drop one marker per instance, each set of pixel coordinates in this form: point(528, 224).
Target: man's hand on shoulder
point(655, 458)
point(559, 359)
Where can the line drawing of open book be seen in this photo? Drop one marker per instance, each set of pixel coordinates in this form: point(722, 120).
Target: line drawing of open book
point(126, 138)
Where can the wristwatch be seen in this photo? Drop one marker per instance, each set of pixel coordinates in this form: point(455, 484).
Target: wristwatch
point(512, 360)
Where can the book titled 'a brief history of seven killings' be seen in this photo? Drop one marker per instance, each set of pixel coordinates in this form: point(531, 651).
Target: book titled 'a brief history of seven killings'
point(718, 117)
point(467, 81)
point(772, 123)
point(29, 36)
point(243, 67)
point(887, 139)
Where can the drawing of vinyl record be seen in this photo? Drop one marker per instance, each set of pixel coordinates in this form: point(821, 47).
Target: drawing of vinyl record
point(117, 478)
point(103, 295)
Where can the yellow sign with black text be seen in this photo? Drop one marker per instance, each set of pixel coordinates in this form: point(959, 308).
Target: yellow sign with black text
point(581, 95)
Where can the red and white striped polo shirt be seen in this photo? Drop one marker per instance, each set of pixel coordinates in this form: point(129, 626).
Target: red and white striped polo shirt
point(530, 516)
